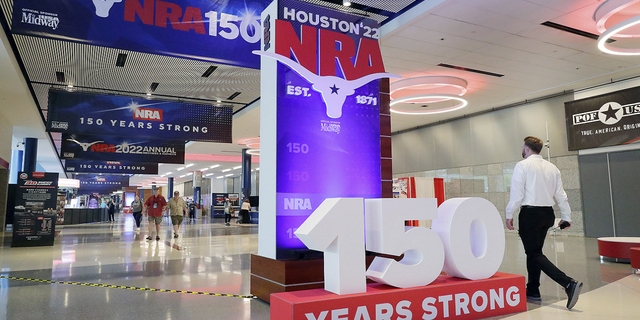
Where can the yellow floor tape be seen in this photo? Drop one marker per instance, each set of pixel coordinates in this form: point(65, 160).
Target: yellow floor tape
point(130, 288)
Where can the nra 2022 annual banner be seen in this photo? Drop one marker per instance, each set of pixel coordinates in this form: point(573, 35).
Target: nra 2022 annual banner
point(220, 31)
point(102, 184)
point(110, 167)
point(84, 113)
point(605, 120)
point(328, 113)
point(112, 148)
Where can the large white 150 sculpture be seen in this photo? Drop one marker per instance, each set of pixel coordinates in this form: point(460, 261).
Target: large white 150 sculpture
point(466, 240)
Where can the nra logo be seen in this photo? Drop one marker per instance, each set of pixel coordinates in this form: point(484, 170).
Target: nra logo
point(147, 114)
point(38, 174)
point(102, 147)
point(115, 163)
point(101, 179)
point(297, 204)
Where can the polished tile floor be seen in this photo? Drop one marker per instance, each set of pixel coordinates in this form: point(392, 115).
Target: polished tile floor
point(209, 257)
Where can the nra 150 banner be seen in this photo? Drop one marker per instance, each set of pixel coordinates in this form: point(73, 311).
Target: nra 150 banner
point(220, 31)
point(102, 184)
point(328, 124)
point(84, 113)
point(605, 120)
point(111, 148)
point(110, 167)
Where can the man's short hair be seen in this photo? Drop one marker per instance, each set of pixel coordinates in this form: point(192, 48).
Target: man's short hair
point(535, 144)
point(176, 192)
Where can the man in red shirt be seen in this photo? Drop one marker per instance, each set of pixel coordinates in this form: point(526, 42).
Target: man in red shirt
point(154, 208)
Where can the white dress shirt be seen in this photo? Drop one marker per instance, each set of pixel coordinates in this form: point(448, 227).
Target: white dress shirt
point(535, 182)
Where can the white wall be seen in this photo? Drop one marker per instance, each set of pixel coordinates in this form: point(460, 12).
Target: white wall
point(493, 137)
point(6, 132)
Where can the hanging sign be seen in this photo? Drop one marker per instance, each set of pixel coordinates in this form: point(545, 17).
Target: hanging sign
point(101, 184)
point(192, 29)
point(35, 209)
point(605, 120)
point(110, 167)
point(90, 147)
point(84, 113)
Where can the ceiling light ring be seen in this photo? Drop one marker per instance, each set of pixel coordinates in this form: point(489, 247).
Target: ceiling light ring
point(614, 31)
point(450, 81)
point(607, 10)
point(255, 152)
point(463, 103)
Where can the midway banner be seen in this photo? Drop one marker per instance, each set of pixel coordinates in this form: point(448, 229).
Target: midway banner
point(605, 120)
point(110, 167)
point(112, 148)
point(99, 114)
point(217, 31)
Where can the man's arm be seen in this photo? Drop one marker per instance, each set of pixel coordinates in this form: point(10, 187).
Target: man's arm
point(561, 199)
point(516, 194)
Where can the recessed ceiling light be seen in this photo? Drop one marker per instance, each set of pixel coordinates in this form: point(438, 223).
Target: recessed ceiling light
point(189, 165)
point(181, 168)
point(229, 175)
point(182, 176)
point(220, 177)
point(214, 166)
point(238, 167)
point(168, 173)
point(226, 170)
point(346, 3)
point(210, 174)
point(122, 58)
point(209, 71)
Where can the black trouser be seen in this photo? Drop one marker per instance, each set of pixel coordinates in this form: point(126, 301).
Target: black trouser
point(245, 218)
point(111, 216)
point(227, 217)
point(138, 217)
point(533, 225)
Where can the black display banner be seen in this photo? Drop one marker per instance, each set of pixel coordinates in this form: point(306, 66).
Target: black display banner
point(113, 148)
point(101, 184)
point(100, 114)
point(605, 120)
point(35, 209)
point(110, 167)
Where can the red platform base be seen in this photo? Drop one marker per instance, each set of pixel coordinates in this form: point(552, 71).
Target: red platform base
point(446, 298)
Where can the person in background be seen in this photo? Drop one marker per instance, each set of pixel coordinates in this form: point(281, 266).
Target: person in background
point(227, 212)
point(534, 184)
point(103, 204)
point(154, 208)
point(112, 210)
point(177, 210)
point(244, 211)
point(136, 208)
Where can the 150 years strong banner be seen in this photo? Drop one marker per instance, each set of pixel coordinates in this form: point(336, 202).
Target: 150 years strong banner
point(97, 114)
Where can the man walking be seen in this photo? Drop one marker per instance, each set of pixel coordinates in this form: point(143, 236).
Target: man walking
point(177, 209)
point(154, 207)
point(534, 184)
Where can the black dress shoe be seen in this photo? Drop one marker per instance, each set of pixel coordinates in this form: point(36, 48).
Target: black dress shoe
point(573, 292)
point(533, 296)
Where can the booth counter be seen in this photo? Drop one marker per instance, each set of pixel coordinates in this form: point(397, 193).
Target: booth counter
point(85, 215)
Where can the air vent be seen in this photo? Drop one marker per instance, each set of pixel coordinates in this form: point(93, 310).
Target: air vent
point(153, 87)
point(573, 31)
point(233, 96)
point(209, 71)
point(471, 70)
point(121, 60)
point(60, 76)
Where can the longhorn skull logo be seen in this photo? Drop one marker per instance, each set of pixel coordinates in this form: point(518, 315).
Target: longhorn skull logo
point(103, 7)
point(334, 90)
point(85, 146)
